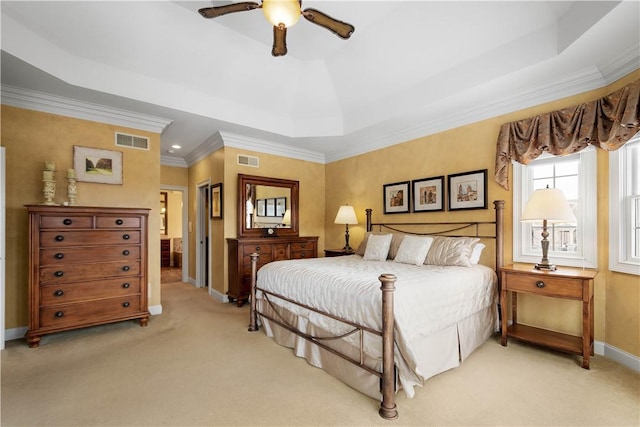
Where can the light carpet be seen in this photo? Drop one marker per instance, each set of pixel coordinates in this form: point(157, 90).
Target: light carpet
point(196, 365)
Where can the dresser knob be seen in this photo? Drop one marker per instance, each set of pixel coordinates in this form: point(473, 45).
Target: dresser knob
point(257, 248)
point(125, 252)
point(119, 222)
point(59, 313)
point(59, 238)
point(59, 273)
point(59, 255)
point(302, 255)
point(126, 268)
point(126, 304)
point(58, 293)
point(67, 221)
point(126, 236)
point(540, 284)
point(126, 285)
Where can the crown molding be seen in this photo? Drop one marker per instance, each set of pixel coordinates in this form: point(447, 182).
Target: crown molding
point(178, 162)
point(47, 103)
point(268, 147)
point(210, 145)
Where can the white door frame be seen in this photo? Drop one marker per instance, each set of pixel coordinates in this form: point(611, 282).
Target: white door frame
point(201, 216)
point(185, 227)
point(3, 212)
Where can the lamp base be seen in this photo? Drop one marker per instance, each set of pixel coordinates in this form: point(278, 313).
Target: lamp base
point(348, 249)
point(546, 267)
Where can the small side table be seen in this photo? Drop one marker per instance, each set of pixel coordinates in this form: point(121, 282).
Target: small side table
point(337, 252)
point(568, 283)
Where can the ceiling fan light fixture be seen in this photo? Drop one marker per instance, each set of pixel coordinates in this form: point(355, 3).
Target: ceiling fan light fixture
point(281, 12)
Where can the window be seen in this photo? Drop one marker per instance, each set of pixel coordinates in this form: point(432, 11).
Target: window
point(624, 208)
point(569, 244)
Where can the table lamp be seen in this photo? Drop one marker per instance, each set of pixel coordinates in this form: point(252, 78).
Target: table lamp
point(346, 215)
point(549, 206)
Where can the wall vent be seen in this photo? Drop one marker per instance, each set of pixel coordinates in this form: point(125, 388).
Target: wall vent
point(132, 141)
point(245, 160)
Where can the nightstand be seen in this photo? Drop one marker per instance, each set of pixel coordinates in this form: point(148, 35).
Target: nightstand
point(337, 252)
point(567, 283)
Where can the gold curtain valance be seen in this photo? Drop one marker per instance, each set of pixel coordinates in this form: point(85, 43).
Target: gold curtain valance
point(607, 123)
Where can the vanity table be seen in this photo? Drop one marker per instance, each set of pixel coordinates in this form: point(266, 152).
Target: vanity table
point(272, 233)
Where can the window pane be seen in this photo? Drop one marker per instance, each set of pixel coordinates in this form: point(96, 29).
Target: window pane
point(569, 186)
point(542, 171)
point(567, 168)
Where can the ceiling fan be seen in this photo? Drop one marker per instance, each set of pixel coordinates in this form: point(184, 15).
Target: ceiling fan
point(283, 14)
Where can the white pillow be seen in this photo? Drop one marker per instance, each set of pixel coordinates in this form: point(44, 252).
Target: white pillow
point(476, 252)
point(377, 247)
point(413, 250)
point(451, 251)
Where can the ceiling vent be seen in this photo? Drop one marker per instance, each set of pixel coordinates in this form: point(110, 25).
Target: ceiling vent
point(245, 160)
point(132, 141)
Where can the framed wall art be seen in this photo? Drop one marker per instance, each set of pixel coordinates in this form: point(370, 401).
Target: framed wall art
point(262, 207)
point(468, 190)
point(396, 197)
point(428, 194)
point(216, 201)
point(281, 206)
point(271, 207)
point(95, 165)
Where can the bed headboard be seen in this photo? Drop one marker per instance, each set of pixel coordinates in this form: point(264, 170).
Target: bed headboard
point(492, 230)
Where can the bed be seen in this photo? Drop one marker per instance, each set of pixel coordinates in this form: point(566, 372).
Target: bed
point(383, 321)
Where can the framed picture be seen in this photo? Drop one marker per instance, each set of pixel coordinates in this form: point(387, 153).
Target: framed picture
point(95, 165)
point(216, 201)
point(262, 207)
point(428, 194)
point(396, 197)
point(271, 207)
point(468, 190)
point(281, 206)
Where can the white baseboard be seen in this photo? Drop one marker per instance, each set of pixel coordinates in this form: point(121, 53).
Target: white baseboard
point(15, 333)
point(622, 357)
point(155, 309)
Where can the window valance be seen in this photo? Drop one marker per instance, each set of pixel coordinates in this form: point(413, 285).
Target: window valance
point(607, 123)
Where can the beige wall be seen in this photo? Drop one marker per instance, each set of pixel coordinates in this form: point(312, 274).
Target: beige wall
point(32, 137)
point(358, 181)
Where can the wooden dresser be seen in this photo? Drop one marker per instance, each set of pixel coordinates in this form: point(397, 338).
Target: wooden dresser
point(88, 266)
point(270, 249)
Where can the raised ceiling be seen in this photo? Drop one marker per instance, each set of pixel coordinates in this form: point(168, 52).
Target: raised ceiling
point(410, 69)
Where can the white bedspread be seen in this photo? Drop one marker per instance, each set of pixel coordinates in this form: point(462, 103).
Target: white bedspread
point(427, 299)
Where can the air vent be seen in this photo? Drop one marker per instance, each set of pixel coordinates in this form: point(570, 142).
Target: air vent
point(132, 141)
point(245, 160)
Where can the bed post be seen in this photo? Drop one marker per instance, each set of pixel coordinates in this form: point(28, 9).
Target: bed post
point(499, 207)
point(369, 226)
point(253, 317)
point(388, 405)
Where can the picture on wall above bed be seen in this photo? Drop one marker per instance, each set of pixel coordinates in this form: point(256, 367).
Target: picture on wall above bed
point(396, 197)
point(95, 165)
point(428, 194)
point(468, 190)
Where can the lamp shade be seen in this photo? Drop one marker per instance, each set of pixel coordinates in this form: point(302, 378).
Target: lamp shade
point(286, 218)
point(550, 204)
point(346, 215)
point(285, 12)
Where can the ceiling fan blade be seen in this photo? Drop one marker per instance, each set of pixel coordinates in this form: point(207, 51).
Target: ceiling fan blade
point(279, 41)
point(214, 12)
point(339, 28)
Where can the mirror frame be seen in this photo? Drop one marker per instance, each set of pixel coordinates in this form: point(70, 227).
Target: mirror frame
point(293, 186)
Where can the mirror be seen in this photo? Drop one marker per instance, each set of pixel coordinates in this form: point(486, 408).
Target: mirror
point(267, 206)
point(164, 215)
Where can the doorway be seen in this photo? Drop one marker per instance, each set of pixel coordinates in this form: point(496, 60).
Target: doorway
point(174, 228)
point(202, 236)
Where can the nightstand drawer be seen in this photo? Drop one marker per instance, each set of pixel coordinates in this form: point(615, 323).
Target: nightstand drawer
point(545, 285)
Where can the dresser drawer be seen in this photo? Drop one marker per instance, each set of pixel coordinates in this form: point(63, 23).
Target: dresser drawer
point(259, 248)
point(280, 252)
point(302, 254)
point(302, 246)
point(109, 221)
point(88, 238)
point(65, 255)
point(83, 272)
point(261, 261)
point(562, 287)
point(66, 221)
point(90, 312)
point(73, 292)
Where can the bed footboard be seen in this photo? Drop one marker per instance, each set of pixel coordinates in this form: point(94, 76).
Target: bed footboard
point(388, 409)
